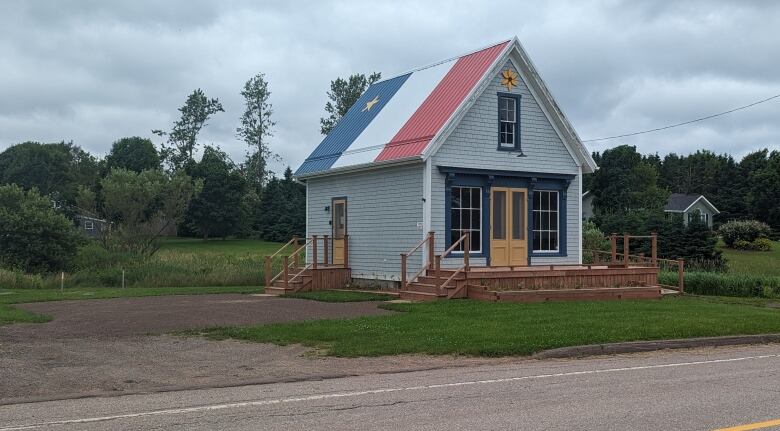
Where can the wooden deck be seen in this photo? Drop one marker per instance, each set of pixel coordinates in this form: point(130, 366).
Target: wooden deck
point(536, 283)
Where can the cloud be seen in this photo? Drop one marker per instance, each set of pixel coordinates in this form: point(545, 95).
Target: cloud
point(95, 71)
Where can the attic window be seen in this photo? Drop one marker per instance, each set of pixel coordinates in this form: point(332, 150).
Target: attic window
point(89, 225)
point(508, 131)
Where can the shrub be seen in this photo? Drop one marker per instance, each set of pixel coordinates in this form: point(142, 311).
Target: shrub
point(743, 230)
point(592, 239)
point(710, 283)
point(33, 236)
point(762, 244)
point(741, 244)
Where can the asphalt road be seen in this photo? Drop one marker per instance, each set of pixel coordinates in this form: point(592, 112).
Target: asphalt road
point(683, 390)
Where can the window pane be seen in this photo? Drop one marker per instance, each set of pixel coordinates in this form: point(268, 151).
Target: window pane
point(475, 197)
point(455, 220)
point(466, 197)
point(476, 240)
point(553, 241)
point(475, 219)
point(455, 197)
point(554, 201)
point(537, 240)
point(518, 215)
point(499, 215)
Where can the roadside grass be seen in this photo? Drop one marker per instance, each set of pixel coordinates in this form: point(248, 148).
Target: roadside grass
point(340, 296)
point(18, 296)
point(464, 327)
point(753, 262)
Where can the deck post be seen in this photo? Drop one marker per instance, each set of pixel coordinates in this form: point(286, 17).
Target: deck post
point(466, 247)
point(654, 249)
point(403, 271)
point(438, 262)
point(314, 251)
point(613, 242)
point(431, 249)
point(297, 256)
point(681, 275)
point(286, 261)
point(325, 257)
point(267, 270)
point(625, 249)
point(346, 251)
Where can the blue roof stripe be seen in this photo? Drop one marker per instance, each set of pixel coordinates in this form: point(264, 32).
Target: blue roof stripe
point(351, 126)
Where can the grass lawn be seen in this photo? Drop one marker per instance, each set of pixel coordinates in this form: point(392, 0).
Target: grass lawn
point(503, 329)
point(754, 262)
point(340, 296)
point(18, 296)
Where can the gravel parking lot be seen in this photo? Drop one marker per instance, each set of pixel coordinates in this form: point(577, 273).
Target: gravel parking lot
point(119, 346)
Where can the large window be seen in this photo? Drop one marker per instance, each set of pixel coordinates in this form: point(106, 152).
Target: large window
point(507, 122)
point(466, 216)
point(546, 231)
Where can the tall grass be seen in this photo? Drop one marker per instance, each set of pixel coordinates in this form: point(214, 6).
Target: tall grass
point(713, 283)
point(96, 267)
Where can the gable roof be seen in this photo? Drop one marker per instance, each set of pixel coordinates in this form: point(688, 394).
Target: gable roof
point(682, 202)
point(406, 117)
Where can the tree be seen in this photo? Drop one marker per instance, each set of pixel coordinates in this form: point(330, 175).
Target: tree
point(144, 204)
point(284, 209)
point(55, 170)
point(133, 153)
point(763, 196)
point(217, 210)
point(626, 182)
point(343, 94)
point(183, 139)
point(33, 236)
point(255, 128)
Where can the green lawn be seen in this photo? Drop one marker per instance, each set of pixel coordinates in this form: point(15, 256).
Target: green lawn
point(754, 262)
point(503, 329)
point(340, 296)
point(18, 296)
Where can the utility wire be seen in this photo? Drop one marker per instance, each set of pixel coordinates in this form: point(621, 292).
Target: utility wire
point(685, 122)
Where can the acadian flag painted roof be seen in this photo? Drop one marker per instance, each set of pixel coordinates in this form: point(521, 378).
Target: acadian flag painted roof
point(398, 117)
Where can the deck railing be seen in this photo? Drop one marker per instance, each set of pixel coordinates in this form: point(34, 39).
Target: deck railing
point(429, 239)
point(290, 262)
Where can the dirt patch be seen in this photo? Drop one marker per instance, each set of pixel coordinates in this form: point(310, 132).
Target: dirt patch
point(101, 347)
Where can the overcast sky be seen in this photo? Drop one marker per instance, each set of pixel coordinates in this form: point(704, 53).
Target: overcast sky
point(95, 71)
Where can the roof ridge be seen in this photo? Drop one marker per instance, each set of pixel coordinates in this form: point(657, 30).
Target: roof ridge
point(447, 60)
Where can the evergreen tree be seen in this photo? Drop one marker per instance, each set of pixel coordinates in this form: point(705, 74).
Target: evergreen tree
point(183, 139)
point(217, 210)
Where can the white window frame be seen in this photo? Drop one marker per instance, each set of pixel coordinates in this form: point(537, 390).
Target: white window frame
point(89, 225)
point(470, 208)
point(501, 101)
point(538, 212)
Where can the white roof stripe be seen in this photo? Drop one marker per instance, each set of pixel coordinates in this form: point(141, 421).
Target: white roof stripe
point(400, 108)
point(359, 157)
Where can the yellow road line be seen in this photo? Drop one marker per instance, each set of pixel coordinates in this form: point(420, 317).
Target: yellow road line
point(753, 426)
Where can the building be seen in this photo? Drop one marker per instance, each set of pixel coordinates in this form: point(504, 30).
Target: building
point(690, 206)
point(473, 145)
point(587, 205)
point(91, 226)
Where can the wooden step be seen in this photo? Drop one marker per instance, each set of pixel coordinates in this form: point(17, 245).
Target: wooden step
point(423, 287)
point(273, 290)
point(420, 296)
point(427, 279)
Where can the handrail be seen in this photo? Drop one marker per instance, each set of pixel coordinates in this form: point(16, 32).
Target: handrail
point(453, 246)
point(454, 274)
point(295, 238)
point(430, 239)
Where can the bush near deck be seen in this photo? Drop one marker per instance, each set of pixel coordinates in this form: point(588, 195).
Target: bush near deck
point(466, 327)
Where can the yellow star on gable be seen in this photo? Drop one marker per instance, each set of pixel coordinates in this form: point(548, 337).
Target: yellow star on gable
point(509, 79)
point(370, 104)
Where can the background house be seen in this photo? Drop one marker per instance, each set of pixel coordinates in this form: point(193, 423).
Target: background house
point(691, 205)
point(587, 205)
point(91, 226)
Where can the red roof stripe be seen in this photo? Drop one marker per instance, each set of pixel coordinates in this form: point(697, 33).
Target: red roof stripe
point(437, 108)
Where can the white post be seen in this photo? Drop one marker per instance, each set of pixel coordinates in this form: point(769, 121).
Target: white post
point(123, 278)
point(62, 281)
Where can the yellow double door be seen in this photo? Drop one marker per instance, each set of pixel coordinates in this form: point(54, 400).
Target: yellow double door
point(508, 226)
